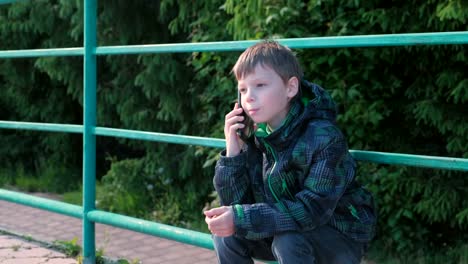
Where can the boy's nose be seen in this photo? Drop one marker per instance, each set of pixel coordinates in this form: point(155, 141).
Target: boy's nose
point(249, 96)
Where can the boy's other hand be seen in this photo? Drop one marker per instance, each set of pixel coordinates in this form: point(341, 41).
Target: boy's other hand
point(231, 124)
point(220, 221)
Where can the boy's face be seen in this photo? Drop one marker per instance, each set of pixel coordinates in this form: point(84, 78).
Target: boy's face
point(265, 97)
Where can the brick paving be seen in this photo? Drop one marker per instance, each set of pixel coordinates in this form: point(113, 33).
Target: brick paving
point(17, 251)
point(116, 243)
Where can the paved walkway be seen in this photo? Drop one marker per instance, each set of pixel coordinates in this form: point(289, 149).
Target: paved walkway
point(116, 243)
point(17, 251)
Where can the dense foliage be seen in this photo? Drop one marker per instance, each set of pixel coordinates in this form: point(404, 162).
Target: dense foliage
point(395, 99)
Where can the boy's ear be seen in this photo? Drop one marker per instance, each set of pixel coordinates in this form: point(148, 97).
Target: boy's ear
point(292, 87)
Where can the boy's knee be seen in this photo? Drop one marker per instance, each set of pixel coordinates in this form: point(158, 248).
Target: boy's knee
point(223, 242)
point(231, 244)
point(290, 243)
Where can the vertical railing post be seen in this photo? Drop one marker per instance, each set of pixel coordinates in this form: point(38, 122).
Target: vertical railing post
point(89, 124)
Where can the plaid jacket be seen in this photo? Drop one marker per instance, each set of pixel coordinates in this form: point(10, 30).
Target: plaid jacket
point(298, 177)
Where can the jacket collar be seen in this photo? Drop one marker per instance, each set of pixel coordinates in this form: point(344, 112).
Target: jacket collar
point(312, 102)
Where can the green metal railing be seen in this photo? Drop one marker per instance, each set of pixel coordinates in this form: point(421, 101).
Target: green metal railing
point(90, 51)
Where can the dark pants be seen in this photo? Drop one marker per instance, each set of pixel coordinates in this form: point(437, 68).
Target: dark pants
point(322, 245)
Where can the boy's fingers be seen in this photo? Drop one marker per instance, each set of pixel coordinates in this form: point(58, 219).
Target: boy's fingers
point(234, 128)
point(206, 212)
point(234, 119)
point(217, 211)
point(234, 112)
point(214, 211)
point(209, 213)
point(236, 105)
point(219, 222)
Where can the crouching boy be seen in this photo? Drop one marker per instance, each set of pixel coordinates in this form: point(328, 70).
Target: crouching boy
point(287, 183)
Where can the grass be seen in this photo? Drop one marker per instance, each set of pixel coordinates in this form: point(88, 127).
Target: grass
point(70, 248)
point(5, 177)
point(73, 197)
point(46, 179)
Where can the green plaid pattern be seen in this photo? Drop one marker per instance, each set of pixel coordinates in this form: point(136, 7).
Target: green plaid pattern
point(297, 177)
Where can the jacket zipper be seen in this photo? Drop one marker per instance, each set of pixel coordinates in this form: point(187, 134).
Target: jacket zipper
point(270, 149)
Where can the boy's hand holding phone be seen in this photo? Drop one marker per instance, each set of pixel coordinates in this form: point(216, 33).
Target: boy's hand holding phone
point(234, 122)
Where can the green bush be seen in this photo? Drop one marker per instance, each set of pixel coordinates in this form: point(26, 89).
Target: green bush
point(141, 188)
point(418, 213)
point(447, 255)
point(6, 176)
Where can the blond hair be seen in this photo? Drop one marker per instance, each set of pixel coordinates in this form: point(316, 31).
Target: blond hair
point(271, 54)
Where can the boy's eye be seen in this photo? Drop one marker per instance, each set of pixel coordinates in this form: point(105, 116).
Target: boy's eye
point(242, 90)
point(260, 85)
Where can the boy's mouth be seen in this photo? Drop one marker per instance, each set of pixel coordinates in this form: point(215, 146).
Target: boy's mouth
point(253, 111)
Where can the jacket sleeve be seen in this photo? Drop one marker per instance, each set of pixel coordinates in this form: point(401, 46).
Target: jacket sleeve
point(231, 180)
point(331, 170)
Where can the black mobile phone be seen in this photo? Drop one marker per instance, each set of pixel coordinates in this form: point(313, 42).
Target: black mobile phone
point(248, 129)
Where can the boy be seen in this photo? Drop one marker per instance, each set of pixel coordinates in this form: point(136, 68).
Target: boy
point(288, 191)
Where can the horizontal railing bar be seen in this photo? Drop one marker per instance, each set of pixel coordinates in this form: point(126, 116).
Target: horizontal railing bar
point(360, 155)
point(2, 2)
point(161, 137)
point(411, 160)
point(41, 52)
point(41, 126)
point(42, 203)
point(126, 222)
point(369, 156)
point(409, 39)
point(152, 228)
